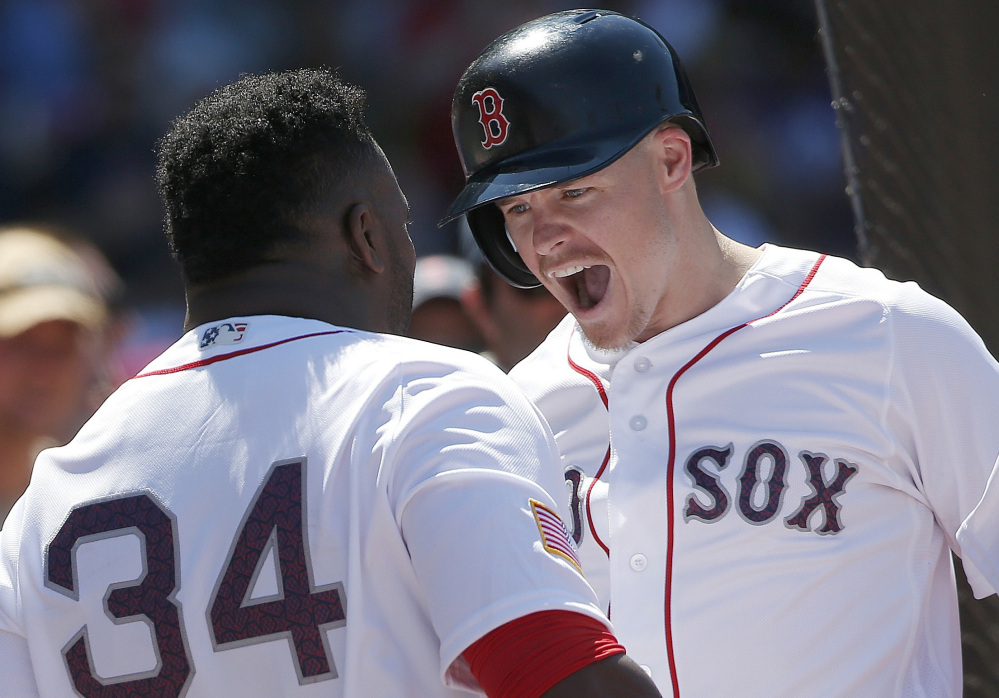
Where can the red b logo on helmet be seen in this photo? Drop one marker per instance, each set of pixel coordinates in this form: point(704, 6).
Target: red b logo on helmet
point(491, 117)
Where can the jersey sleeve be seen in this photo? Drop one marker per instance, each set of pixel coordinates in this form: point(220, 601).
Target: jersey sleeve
point(945, 386)
point(476, 468)
point(528, 656)
point(979, 541)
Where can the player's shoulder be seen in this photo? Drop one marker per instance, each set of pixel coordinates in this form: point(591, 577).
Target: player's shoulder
point(430, 370)
point(818, 273)
point(831, 275)
point(244, 336)
point(373, 364)
point(907, 308)
point(415, 355)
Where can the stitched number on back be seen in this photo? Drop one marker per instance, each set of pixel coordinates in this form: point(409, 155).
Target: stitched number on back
point(151, 596)
point(276, 522)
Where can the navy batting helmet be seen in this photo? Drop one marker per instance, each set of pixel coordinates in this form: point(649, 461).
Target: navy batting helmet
point(556, 99)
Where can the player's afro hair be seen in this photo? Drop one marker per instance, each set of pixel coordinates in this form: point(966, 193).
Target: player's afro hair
point(236, 172)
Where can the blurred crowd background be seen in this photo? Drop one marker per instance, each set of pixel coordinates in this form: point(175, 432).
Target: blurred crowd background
point(87, 86)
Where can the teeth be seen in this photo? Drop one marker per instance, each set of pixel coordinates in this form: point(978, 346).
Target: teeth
point(568, 271)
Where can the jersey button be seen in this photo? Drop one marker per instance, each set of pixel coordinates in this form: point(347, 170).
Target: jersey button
point(637, 422)
point(638, 562)
point(642, 364)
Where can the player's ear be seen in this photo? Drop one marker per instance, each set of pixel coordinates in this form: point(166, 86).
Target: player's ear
point(672, 153)
point(363, 239)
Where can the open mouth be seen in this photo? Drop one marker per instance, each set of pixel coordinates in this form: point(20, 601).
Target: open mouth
point(586, 284)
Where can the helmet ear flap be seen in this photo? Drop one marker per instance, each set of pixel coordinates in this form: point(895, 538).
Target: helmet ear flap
point(489, 230)
point(703, 152)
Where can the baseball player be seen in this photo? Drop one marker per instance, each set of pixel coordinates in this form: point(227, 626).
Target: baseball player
point(287, 501)
point(769, 453)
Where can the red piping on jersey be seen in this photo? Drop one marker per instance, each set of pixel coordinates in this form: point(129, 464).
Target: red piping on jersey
point(223, 357)
point(589, 491)
point(672, 459)
point(603, 397)
point(591, 375)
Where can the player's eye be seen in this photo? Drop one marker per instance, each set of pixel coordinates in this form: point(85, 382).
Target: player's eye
point(516, 209)
point(574, 193)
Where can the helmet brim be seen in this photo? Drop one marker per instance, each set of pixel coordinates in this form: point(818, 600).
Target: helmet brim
point(538, 169)
point(541, 168)
point(518, 175)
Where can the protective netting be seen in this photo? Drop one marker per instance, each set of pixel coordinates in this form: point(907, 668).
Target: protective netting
point(916, 87)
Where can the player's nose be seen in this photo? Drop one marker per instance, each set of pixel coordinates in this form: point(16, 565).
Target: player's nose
point(548, 233)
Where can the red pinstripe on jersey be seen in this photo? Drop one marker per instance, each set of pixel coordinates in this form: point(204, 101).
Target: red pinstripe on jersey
point(598, 384)
point(670, 419)
point(222, 357)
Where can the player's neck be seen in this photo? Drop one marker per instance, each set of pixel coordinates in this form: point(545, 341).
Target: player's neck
point(738, 258)
point(711, 266)
point(726, 263)
point(279, 289)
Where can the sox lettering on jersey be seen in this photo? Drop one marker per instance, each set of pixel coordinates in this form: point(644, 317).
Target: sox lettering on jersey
point(717, 501)
point(494, 123)
point(824, 492)
point(749, 480)
point(707, 483)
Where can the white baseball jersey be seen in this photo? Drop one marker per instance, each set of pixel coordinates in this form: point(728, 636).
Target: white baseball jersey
point(767, 495)
point(281, 507)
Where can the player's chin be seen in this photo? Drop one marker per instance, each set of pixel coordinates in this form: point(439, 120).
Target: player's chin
point(604, 338)
point(608, 331)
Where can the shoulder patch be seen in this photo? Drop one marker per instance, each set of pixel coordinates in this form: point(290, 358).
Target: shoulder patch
point(554, 534)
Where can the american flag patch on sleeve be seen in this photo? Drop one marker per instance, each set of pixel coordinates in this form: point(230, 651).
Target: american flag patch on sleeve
point(554, 534)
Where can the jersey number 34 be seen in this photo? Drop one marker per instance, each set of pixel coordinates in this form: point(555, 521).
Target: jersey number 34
point(275, 521)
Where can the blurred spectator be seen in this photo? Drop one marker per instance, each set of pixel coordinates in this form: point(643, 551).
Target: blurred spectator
point(438, 315)
point(59, 326)
point(513, 321)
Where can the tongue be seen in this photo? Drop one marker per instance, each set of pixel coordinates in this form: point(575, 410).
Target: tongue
point(592, 285)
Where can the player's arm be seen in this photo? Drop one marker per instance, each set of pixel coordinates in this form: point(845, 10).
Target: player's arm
point(617, 676)
point(554, 654)
point(473, 480)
